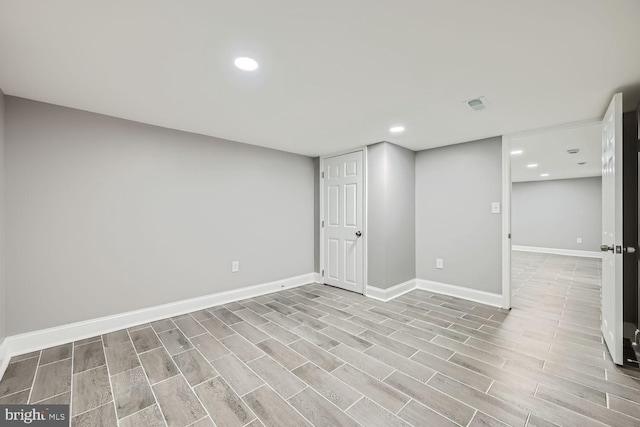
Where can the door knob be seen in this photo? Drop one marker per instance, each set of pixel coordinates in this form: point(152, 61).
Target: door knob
point(605, 248)
point(358, 233)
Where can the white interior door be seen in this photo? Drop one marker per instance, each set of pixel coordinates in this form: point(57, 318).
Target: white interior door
point(343, 220)
point(612, 229)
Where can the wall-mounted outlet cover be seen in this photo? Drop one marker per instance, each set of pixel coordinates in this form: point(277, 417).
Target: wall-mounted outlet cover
point(235, 266)
point(579, 240)
point(439, 263)
point(495, 207)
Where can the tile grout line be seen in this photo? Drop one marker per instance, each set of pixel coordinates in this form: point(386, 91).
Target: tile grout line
point(197, 421)
point(403, 406)
point(113, 398)
point(153, 393)
point(184, 378)
point(51, 397)
point(472, 418)
point(73, 355)
point(93, 409)
point(35, 375)
point(16, 392)
point(294, 394)
point(55, 361)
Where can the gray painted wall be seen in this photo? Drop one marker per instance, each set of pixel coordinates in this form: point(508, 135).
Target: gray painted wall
point(553, 214)
point(376, 216)
point(455, 186)
point(107, 215)
point(3, 300)
point(391, 215)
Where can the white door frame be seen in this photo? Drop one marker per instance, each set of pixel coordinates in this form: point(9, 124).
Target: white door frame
point(506, 222)
point(506, 195)
point(365, 234)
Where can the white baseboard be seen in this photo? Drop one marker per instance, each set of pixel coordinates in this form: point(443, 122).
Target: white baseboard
point(31, 341)
point(482, 297)
point(4, 357)
point(388, 294)
point(567, 252)
point(317, 278)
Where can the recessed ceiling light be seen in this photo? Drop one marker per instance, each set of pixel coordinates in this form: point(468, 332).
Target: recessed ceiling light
point(246, 64)
point(396, 129)
point(515, 152)
point(532, 165)
point(544, 174)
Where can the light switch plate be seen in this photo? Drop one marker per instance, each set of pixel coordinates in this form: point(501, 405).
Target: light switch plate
point(495, 207)
point(579, 240)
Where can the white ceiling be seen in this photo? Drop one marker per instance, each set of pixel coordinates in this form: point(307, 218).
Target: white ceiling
point(333, 74)
point(549, 151)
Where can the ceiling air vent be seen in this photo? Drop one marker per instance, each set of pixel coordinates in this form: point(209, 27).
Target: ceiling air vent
point(478, 104)
point(573, 151)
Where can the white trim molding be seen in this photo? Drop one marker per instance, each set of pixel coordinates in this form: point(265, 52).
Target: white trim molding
point(4, 356)
point(506, 222)
point(556, 251)
point(31, 341)
point(388, 294)
point(482, 297)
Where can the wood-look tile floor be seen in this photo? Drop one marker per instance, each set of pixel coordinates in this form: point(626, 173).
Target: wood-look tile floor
point(317, 355)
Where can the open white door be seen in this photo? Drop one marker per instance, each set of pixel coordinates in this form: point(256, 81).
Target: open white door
point(343, 220)
point(612, 229)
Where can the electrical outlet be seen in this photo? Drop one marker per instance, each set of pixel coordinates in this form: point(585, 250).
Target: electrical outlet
point(495, 207)
point(235, 266)
point(579, 240)
point(439, 263)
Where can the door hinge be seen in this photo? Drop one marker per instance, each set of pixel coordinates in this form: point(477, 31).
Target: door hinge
point(322, 273)
point(322, 174)
point(322, 224)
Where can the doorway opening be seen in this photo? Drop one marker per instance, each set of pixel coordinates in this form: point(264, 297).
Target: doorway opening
point(565, 254)
point(556, 226)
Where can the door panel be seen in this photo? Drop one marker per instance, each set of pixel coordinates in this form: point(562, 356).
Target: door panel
point(333, 256)
point(351, 205)
point(333, 205)
point(351, 262)
point(612, 229)
point(343, 213)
